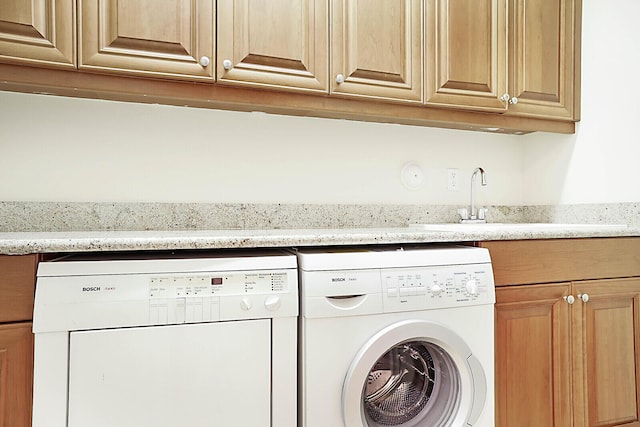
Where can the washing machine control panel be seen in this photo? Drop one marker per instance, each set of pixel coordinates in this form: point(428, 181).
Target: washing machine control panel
point(437, 287)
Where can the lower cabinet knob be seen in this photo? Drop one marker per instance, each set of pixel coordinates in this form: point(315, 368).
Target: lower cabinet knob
point(227, 64)
point(340, 79)
point(204, 61)
point(570, 299)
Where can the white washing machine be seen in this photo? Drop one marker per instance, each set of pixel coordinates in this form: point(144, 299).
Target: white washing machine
point(396, 337)
point(177, 340)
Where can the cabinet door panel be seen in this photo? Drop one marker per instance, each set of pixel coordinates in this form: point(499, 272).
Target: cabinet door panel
point(17, 287)
point(533, 382)
point(16, 374)
point(466, 53)
point(608, 348)
point(279, 43)
point(38, 32)
point(542, 46)
point(163, 38)
point(377, 48)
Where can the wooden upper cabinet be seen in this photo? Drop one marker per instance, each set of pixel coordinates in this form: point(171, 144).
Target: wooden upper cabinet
point(466, 54)
point(544, 51)
point(38, 32)
point(154, 38)
point(376, 49)
point(279, 43)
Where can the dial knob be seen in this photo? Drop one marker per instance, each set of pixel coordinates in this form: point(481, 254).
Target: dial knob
point(472, 287)
point(245, 304)
point(272, 303)
point(436, 290)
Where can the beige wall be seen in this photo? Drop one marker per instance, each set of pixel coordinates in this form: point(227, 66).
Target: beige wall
point(63, 149)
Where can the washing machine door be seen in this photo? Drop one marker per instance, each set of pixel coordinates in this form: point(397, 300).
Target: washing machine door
point(414, 374)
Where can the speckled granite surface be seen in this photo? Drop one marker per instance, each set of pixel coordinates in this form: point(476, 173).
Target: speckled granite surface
point(71, 227)
point(45, 216)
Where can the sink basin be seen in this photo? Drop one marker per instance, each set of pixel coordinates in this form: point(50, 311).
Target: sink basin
point(517, 227)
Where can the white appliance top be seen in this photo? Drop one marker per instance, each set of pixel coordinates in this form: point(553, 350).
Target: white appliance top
point(346, 258)
point(145, 289)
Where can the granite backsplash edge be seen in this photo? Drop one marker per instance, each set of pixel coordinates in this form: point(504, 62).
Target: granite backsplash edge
point(16, 216)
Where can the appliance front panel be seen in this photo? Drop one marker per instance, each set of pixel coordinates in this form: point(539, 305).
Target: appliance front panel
point(191, 375)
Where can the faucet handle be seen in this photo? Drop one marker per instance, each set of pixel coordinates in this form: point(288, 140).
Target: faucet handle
point(482, 213)
point(464, 213)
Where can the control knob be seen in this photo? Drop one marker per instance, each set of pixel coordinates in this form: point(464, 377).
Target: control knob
point(436, 290)
point(272, 303)
point(472, 287)
point(245, 304)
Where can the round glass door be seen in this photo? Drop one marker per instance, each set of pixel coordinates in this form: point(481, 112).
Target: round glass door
point(414, 374)
point(414, 382)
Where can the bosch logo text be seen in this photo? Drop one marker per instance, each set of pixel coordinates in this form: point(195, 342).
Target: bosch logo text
point(91, 289)
point(338, 279)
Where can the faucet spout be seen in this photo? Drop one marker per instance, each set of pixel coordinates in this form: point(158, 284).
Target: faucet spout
point(483, 181)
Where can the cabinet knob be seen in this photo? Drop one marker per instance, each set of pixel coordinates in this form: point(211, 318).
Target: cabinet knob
point(205, 61)
point(340, 79)
point(227, 64)
point(507, 98)
point(584, 297)
point(570, 299)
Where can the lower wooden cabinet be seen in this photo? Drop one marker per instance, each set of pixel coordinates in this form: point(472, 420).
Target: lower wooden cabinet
point(16, 374)
point(17, 283)
point(567, 349)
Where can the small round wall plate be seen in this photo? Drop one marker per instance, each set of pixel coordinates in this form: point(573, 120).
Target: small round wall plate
point(412, 176)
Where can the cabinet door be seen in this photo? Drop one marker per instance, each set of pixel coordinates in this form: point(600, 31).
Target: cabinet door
point(38, 32)
point(162, 38)
point(607, 349)
point(543, 45)
point(278, 43)
point(466, 53)
point(17, 287)
point(533, 375)
point(377, 49)
point(16, 374)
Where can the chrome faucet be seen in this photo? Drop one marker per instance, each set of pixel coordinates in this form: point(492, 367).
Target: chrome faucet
point(475, 215)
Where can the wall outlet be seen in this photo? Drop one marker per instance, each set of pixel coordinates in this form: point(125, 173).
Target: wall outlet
point(452, 179)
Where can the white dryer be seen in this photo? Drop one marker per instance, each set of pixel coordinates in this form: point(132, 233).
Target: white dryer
point(396, 337)
point(153, 340)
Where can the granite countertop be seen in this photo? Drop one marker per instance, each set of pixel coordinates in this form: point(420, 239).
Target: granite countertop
point(14, 243)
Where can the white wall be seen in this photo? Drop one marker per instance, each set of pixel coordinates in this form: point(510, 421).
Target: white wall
point(63, 149)
point(601, 162)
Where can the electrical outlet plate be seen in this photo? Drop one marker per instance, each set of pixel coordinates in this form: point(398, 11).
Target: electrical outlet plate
point(452, 179)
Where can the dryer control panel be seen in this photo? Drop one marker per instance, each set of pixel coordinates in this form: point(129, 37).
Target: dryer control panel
point(74, 295)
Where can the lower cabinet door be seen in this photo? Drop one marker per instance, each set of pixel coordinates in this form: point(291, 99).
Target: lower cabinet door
point(533, 375)
point(606, 337)
point(16, 374)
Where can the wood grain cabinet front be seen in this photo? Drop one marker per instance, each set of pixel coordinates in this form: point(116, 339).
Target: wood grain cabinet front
point(17, 285)
point(154, 38)
point(38, 32)
point(376, 49)
point(568, 348)
point(519, 57)
point(281, 44)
